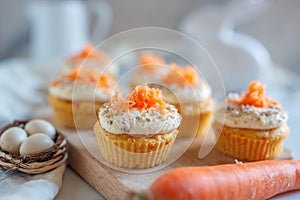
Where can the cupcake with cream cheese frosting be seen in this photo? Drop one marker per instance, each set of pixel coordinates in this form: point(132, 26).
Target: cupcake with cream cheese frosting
point(191, 96)
point(91, 57)
point(137, 131)
point(79, 93)
point(254, 125)
point(151, 67)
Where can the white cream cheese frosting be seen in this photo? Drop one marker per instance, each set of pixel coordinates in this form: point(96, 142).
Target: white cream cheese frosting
point(136, 122)
point(141, 76)
point(112, 69)
point(69, 90)
point(250, 117)
point(187, 94)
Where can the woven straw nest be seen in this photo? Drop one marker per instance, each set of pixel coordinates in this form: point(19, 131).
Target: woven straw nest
point(34, 163)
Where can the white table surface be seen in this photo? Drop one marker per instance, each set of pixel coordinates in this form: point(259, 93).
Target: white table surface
point(74, 187)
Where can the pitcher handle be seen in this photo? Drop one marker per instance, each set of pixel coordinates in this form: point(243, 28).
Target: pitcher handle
point(100, 19)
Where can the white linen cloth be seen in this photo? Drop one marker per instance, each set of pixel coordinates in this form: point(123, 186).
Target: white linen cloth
point(14, 186)
point(23, 90)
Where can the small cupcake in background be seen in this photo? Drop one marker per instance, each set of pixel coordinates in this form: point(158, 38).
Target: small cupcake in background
point(191, 96)
point(254, 125)
point(137, 131)
point(79, 93)
point(150, 68)
point(89, 56)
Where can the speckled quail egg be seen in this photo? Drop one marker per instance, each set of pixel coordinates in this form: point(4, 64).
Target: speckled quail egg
point(12, 138)
point(36, 143)
point(40, 126)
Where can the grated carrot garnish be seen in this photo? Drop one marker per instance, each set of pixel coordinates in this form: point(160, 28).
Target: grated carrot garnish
point(144, 97)
point(119, 102)
point(255, 96)
point(105, 81)
point(150, 62)
point(90, 52)
point(88, 75)
point(182, 76)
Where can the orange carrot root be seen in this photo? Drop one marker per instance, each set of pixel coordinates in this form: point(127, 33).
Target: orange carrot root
point(256, 180)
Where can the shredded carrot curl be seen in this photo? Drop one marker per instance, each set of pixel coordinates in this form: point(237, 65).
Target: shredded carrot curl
point(182, 76)
point(143, 97)
point(88, 75)
point(150, 62)
point(119, 102)
point(90, 52)
point(255, 96)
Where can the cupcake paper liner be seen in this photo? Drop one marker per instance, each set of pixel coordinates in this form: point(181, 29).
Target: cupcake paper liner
point(140, 155)
point(251, 145)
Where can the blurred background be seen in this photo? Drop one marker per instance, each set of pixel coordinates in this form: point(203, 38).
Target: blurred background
point(276, 26)
point(247, 39)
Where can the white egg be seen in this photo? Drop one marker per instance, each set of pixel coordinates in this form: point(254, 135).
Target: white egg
point(40, 126)
point(12, 138)
point(35, 144)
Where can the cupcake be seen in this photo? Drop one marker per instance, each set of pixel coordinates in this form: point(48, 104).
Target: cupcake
point(89, 56)
point(254, 125)
point(137, 131)
point(191, 96)
point(149, 70)
point(75, 97)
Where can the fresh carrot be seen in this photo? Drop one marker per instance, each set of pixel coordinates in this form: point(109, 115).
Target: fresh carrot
point(256, 180)
point(255, 96)
point(182, 76)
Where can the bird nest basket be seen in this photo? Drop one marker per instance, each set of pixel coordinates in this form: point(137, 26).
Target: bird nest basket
point(34, 163)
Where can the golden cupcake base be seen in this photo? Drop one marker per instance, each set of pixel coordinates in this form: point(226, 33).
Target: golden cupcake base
point(134, 152)
point(189, 123)
point(250, 144)
point(193, 123)
point(64, 111)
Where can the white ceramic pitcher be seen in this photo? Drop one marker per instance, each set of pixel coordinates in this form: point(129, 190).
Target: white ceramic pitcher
point(60, 28)
point(239, 57)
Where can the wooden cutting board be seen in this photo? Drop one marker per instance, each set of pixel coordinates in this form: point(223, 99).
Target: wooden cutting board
point(115, 184)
